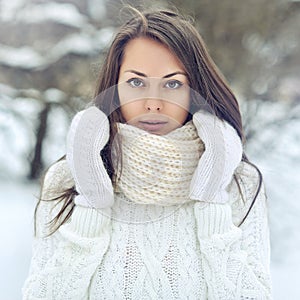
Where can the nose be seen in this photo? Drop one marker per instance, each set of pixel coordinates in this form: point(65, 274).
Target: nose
point(153, 105)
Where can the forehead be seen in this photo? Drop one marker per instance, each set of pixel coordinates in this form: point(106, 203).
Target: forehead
point(150, 57)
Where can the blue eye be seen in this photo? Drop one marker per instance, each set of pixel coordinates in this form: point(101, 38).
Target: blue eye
point(173, 84)
point(135, 82)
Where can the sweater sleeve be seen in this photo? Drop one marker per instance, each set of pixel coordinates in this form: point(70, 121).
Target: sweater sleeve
point(235, 259)
point(63, 263)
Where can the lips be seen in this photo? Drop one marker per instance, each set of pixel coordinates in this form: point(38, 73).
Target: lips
point(152, 125)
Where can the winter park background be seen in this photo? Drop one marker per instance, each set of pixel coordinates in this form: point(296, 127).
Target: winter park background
point(49, 55)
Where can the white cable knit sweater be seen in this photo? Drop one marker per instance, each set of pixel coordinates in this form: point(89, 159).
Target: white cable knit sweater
point(108, 254)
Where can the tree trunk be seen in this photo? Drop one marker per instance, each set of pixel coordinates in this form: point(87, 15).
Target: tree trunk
point(36, 164)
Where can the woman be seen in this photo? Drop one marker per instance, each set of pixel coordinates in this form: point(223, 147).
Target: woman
point(172, 209)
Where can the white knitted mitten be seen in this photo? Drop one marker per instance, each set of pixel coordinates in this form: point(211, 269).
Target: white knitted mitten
point(88, 134)
point(223, 153)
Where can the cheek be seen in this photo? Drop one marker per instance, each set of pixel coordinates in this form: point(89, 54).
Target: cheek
point(177, 113)
point(182, 116)
point(182, 110)
point(130, 111)
point(125, 107)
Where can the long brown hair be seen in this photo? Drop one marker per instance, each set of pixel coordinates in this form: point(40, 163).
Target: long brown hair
point(180, 36)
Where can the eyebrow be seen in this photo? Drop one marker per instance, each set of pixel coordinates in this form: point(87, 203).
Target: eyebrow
point(166, 76)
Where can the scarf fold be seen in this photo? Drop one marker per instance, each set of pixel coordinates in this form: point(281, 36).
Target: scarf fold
point(158, 169)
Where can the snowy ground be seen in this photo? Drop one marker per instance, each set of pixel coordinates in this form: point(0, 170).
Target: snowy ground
point(16, 224)
point(16, 208)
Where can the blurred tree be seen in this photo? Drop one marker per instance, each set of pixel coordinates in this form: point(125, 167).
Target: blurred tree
point(255, 44)
point(37, 163)
point(50, 46)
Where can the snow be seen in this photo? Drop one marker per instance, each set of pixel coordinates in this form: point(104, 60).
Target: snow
point(97, 9)
point(7, 91)
point(55, 141)
point(18, 122)
point(75, 43)
point(24, 57)
point(286, 281)
point(16, 135)
point(276, 150)
point(80, 43)
point(88, 41)
point(54, 95)
point(17, 201)
point(63, 13)
point(104, 36)
point(8, 9)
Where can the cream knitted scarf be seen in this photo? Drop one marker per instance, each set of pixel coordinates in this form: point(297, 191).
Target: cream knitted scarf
point(158, 169)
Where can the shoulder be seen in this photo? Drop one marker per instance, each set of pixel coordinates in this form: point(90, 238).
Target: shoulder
point(243, 189)
point(248, 178)
point(57, 178)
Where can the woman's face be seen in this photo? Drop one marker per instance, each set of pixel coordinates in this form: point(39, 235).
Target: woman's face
point(153, 87)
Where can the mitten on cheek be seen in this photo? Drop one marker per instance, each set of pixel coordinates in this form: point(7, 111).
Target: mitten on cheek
point(223, 153)
point(87, 136)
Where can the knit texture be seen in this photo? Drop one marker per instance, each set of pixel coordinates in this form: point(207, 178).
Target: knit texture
point(193, 252)
point(223, 153)
point(88, 134)
point(158, 169)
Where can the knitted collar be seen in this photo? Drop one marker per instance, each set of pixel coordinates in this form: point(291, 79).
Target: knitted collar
point(158, 169)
